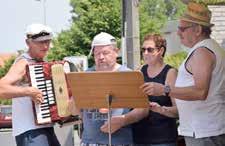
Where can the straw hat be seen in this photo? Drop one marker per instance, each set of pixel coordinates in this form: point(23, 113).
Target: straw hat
point(197, 13)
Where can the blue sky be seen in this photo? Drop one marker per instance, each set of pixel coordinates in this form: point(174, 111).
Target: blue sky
point(17, 14)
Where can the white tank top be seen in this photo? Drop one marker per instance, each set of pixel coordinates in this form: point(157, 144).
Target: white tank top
point(203, 118)
point(22, 110)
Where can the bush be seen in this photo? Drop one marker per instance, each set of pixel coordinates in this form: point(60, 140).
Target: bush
point(176, 59)
point(3, 71)
point(5, 101)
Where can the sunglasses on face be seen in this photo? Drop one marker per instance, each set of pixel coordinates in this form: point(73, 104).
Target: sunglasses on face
point(149, 49)
point(183, 28)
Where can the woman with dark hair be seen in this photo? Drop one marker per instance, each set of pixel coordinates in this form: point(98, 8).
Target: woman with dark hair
point(159, 127)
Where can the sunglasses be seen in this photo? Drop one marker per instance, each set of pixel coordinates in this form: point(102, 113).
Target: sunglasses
point(149, 49)
point(182, 29)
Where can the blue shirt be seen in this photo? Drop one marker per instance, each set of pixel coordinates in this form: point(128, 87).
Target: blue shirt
point(93, 120)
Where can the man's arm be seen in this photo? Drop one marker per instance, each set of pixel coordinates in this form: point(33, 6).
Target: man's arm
point(16, 73)
point(135, 115)
point(10, 91)
point(118, 122)
point(201, 65)
point(169, 111)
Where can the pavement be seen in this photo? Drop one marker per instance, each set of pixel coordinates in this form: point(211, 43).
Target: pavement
point(6, 137)
point(76, 139)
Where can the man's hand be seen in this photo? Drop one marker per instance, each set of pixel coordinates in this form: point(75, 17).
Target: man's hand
point(117, 122)
point(152, 88)
point(35, 94)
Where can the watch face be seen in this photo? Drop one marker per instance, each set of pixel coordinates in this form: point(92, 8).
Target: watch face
point(167, 89)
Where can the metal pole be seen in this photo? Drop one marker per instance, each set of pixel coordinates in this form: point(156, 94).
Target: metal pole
point(44, 10)
point(130, 21)
point(124, 28)
point(109, 99)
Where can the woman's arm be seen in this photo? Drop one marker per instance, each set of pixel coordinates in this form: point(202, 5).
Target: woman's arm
point(166, 110)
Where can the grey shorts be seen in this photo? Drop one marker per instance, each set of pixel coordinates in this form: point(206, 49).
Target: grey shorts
point(207, 141)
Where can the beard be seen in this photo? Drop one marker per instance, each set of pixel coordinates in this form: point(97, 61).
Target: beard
point(103, 66)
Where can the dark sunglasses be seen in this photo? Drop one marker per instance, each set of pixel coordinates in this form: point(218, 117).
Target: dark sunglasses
point(149, 49)
point(182, 29)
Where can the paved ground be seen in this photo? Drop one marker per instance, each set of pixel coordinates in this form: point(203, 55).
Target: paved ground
point(76, 139)
point(6, 138)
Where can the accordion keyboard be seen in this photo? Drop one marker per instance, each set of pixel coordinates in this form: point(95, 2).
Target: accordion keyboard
point(38, 81)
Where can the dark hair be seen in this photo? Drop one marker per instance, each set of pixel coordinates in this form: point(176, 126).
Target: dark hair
point(206, 30)
point(158, 40)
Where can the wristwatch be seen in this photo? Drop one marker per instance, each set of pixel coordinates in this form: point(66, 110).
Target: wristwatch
point(167, 90)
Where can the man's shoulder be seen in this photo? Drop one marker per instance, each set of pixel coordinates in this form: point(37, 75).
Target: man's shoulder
point(121, 68)
point(22, 57)
point(124, 68)
point(91, 69)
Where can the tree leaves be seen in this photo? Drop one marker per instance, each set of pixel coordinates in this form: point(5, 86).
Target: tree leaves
point(91, 17)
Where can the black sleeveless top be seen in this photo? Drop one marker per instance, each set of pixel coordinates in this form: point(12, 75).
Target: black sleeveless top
point(156, 128)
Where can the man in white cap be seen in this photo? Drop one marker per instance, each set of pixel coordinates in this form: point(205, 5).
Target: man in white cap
point(200, 84)
point(38, 39)
point(95, 122)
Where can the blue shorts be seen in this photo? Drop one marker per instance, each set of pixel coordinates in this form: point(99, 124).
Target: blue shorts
point(83, 144)
point(38, 137)
point(165, 144)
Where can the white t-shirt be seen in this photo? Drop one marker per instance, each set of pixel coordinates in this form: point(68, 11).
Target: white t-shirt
point(22, 110)
point(203, 118)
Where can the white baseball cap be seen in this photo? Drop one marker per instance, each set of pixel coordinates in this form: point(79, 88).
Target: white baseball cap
point(102, 39)
point(39, 32)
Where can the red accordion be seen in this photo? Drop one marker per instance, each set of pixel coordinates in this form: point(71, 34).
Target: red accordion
point(49, 77)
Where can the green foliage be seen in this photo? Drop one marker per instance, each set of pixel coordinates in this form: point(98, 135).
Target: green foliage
point(3, 71)
point(154, 14)
point(5, 101)
point(210, 2)
point(93, 16)
point(176, 59)
point(6, 67)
